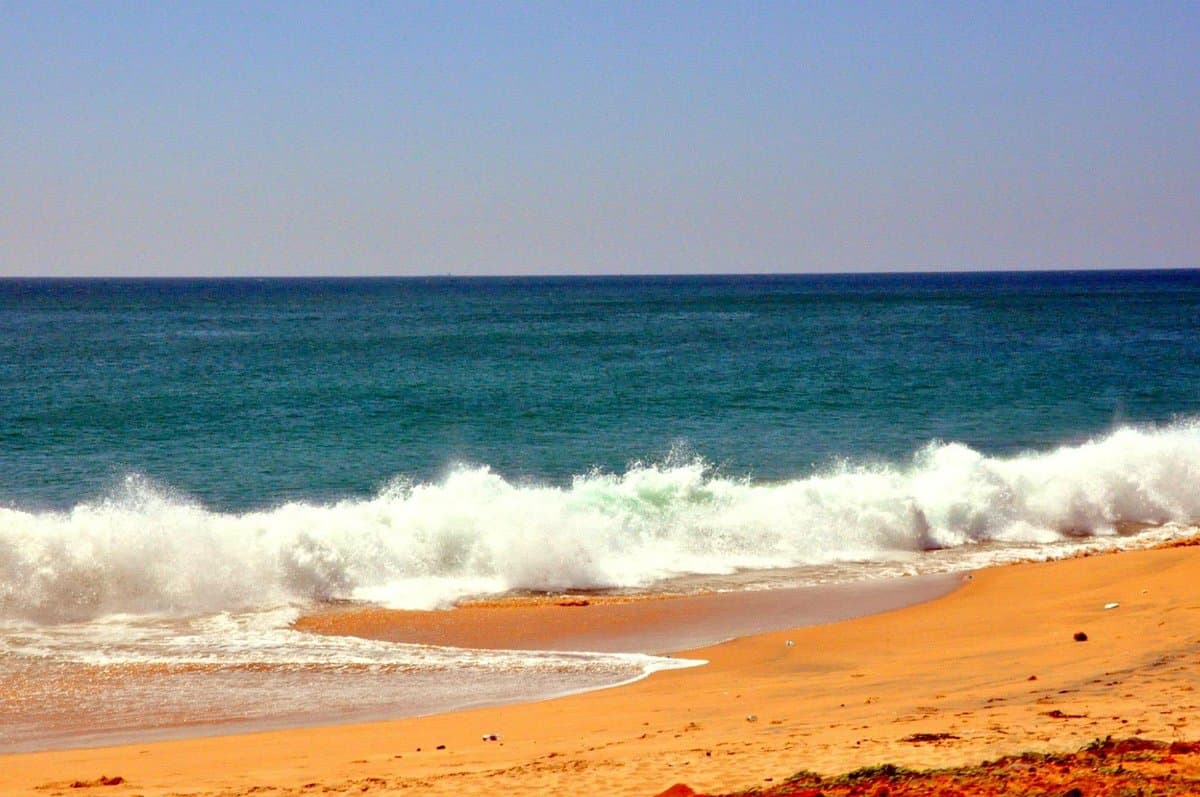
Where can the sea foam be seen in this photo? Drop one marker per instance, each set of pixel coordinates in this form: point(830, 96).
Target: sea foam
point(144, 550)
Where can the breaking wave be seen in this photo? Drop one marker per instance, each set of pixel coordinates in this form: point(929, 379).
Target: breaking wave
point(145, 550)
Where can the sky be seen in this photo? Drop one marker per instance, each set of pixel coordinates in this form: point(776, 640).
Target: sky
point(408, 138)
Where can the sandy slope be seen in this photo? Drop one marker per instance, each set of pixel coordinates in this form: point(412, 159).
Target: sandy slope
point(993, 665)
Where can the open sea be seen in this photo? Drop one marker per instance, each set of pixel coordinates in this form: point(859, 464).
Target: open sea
point(188, 465)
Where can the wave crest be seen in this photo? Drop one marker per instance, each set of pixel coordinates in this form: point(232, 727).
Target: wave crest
point(145, 550)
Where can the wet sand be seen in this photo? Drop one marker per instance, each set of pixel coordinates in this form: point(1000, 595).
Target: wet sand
point(630, 624)
point(991, 669)
point(140, 701)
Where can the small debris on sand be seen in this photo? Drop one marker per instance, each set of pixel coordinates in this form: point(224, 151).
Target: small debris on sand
point(103, 780)
point(1080, 636)
point(917, 738)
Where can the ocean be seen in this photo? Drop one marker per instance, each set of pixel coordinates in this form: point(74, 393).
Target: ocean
point(188, 465)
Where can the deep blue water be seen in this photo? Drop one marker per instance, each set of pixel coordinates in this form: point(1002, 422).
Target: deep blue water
point(248, 393)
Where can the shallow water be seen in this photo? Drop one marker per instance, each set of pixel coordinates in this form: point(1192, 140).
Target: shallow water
point(130, 679)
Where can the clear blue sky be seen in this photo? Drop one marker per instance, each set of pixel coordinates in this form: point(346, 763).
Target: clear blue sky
point(403, 138)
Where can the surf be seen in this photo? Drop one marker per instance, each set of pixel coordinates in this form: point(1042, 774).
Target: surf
point(144, 549)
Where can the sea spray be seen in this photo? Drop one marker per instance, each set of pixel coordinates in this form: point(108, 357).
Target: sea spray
point(146, 550)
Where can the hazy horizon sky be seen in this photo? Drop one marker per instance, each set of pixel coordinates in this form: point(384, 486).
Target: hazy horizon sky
point(301, 138)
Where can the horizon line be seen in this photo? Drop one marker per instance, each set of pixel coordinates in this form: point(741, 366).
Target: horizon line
point(603, 275)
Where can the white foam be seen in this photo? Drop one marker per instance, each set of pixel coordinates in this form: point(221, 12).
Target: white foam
point(232, 641)
point(145, 551)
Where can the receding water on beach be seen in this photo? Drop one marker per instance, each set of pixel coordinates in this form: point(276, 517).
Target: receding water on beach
point(125, 678)
point(186, 466)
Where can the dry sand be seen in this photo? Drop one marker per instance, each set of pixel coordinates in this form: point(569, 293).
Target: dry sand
point(993, 665)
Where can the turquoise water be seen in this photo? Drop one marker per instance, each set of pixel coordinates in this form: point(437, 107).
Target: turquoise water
point(187, 465)
point(242, 394)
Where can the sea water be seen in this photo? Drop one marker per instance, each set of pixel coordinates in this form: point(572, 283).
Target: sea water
point(186, 465)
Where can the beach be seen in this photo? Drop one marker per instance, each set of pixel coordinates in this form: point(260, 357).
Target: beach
point(232, 509)
point(991, 669)
point(794, 400)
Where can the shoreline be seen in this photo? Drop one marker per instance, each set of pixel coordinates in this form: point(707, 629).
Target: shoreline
point(990, 669)
point(651, 624)
point(646, 629)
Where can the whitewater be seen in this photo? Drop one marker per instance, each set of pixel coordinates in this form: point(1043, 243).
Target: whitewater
point(148, 551)
point(193, 606)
